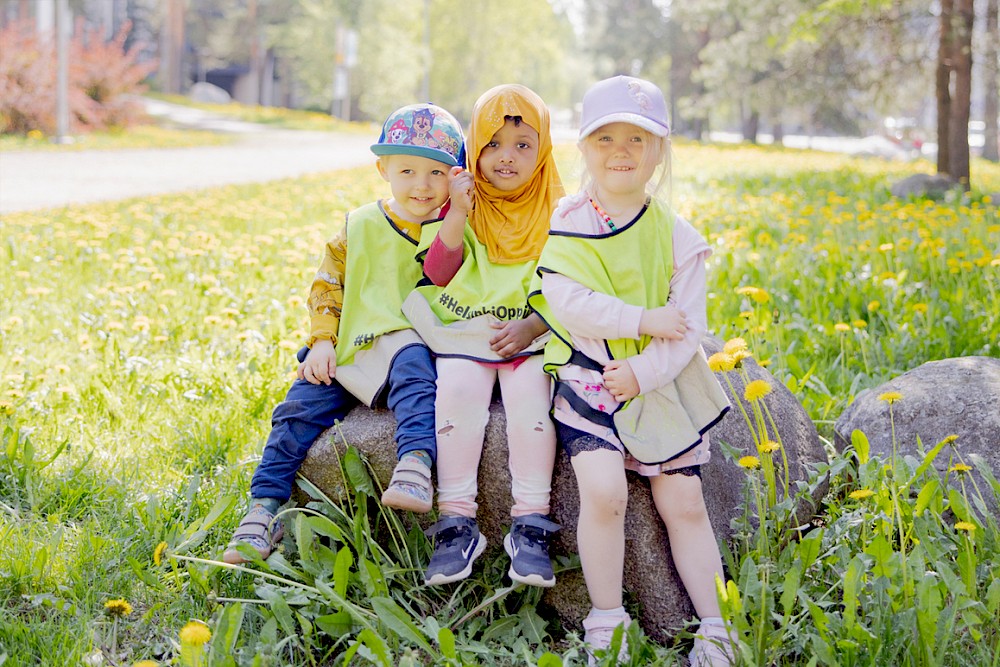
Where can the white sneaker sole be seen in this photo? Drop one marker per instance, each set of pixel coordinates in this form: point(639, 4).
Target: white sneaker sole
point(531, 579)
point(439, 579)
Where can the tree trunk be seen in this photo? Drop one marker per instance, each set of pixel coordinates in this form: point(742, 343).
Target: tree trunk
point(751, 126)
point(958, 123)
point(943, 87)
point(991, 74)
point(778, 133)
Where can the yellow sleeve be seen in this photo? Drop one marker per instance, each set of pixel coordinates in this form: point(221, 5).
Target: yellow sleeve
point(326, 298)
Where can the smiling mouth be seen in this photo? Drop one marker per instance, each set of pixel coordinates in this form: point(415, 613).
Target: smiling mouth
point(505, 172)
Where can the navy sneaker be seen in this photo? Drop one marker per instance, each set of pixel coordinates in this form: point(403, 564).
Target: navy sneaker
point(527, 544)
point(457, 544)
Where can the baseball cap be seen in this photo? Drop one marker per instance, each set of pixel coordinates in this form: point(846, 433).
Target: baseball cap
point(424, 130)
point(624, 99)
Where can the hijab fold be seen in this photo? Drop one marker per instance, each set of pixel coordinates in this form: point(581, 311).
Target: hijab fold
point(513, 225)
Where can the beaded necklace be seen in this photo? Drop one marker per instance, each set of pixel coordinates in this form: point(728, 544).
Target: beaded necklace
point(604, 216)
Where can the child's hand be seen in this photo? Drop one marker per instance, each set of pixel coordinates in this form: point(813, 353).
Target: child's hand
point(664, 322)
point(320, 365)
point(460, 185)
point(620, 380)
point(512, 336)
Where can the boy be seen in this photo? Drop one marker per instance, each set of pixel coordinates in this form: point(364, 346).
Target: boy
point(361, 348)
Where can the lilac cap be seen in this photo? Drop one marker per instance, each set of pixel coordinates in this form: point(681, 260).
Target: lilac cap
point(624, 99)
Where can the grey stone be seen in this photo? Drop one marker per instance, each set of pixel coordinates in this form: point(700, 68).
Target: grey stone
point(958, 396)
point(923, 185)
point(650, 576)
point(202, 91)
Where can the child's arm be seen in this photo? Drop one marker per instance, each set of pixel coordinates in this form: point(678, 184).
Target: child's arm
point(515, 335)
point(325, 301)
point(444, 257)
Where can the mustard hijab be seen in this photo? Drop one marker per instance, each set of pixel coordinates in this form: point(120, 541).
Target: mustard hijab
point(513, 225)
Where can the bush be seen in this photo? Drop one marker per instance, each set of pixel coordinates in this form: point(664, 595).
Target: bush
point(103, 79)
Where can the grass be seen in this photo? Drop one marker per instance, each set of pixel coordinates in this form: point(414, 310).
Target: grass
point(144, 343)
point(135, 138)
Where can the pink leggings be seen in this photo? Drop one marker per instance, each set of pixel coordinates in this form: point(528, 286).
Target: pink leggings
point(464, 391)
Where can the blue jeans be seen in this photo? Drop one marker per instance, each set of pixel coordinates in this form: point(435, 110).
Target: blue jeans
point(309, 409)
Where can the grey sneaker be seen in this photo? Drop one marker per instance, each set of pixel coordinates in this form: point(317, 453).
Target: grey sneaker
point(527, 544)
point(457, 544)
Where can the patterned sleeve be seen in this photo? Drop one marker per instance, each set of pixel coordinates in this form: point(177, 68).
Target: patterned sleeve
point(326, 298)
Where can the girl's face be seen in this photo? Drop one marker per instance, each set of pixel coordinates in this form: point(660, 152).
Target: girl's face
point(621, 158)
point(508, 160)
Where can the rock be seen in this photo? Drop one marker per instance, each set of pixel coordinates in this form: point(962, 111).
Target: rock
point(935, 186)
point(650, 576)
point(202, 91)
point(956, 396)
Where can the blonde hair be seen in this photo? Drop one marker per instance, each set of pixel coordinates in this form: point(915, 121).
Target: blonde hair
point(659, 184)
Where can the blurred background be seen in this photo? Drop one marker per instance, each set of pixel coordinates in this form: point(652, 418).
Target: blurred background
point(906, 71)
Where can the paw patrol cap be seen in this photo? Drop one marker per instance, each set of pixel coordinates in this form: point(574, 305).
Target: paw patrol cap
point(624, 99)
point(424, 130)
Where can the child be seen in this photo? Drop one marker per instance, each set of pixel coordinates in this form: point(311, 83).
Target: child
point(477, 322)
point(361, 347)
point(614, 257)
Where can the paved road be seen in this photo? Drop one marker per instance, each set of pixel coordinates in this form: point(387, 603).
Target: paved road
point(44, 179)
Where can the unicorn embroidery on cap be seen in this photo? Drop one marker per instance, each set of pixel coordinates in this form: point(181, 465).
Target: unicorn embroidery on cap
point(635, 92)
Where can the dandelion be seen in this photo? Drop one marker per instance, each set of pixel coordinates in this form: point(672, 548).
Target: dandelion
point(890, 397)
point(734, 344)
point(12, 322)
point(860, 494)
point(769, 447)
point(757, 390)
point(749, 462)
point(873, 306)
point(195, 634)
point(739, 355)
point(746, 314)
point(859, 324)
point(212, 320)
point(920, 308)
point(960, 468)
point(966, 526)
point(950, 439)
point(6, 408)
point(114, 326)
point(146, 663)
point(720, 362)
point(117, 608)
point(158, 553)
point(841, 327)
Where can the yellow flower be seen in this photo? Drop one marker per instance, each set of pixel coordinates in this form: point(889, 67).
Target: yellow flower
point(118, 608)
point(757, 390)
point(146, 663)
point(158, 552)
point(769, 446)
point(860, 494)
point(749, 462)
point(950, 439)
point(734, 344)
point(195, 634)
point(960, 468)
point(890, 397)
point(873, 306)
point(739, 355)
point(841, 327)
point(746, 314)
point(6, 408)
point(720, 362)
point(966, 526)
point(859, 324)
point(920, 308)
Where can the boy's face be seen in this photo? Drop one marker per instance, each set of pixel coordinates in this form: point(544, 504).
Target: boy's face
point(419, 185)
point(508, 160)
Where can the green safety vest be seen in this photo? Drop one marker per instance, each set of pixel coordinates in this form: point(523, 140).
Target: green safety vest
point(634, 263)
point(381, 271)
point(480, 287)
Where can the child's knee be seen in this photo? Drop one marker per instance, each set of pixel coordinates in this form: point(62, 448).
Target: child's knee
point(605, 499)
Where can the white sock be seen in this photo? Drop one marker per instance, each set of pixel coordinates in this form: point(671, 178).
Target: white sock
point(712, 620)
point(597, 613)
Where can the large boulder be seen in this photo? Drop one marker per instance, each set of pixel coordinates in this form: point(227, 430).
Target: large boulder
point(958, 396)
point(934, 186)
point(650, 576)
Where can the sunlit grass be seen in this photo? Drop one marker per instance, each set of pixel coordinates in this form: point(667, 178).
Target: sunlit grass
point(144, 343)
point(137, 137)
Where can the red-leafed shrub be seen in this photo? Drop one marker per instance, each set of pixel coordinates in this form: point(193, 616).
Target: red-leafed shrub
point(104, 79)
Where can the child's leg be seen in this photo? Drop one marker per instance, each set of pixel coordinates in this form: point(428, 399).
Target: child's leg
point(600, 533)
point(411, 399)
point(679, 501)
point(462, 408)
point(531, 436)
point(307, 411)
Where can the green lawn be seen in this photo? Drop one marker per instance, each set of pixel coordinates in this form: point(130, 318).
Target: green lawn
point(144, 343)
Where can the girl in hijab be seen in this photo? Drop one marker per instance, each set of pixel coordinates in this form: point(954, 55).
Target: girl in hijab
point(473, 314)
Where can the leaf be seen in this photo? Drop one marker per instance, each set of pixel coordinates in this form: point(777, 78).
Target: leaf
point(500, 628)
point(227, 631)
point(357, 473)
point(532, 625)
point(549, 660)
point(928, 493)
point(790, 590)
point(396, 619)
point(861, 446)
point(928, 460)
point(222, 506)
point(336, 625)
point(282, 612)
point(342, 571)
point(374, 643)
